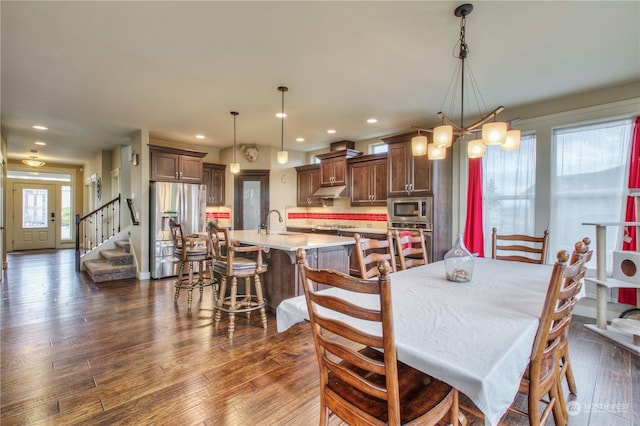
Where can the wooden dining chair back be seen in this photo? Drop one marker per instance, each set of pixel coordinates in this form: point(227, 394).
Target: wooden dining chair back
point(410, 248)
point(369, 251)
point(361, 380)
point(540, 380)
point(239, 262)
point(193, 254)
point(519, 247)
point(581, 253)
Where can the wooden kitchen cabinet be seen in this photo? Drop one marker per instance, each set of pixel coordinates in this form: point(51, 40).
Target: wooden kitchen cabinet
point(368, 174)
point(409, 176)
point(175, 165)
point(213, 178)
point(333, 167)
point(308, 184)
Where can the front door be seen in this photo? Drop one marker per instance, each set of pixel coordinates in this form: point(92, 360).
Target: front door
point(34, 218)
point(251, 200)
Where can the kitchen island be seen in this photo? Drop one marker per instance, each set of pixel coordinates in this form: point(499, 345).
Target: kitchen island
point(282, 281)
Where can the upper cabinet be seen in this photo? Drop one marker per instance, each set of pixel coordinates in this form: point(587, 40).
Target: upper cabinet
point(175, 165)
point(409, 176)
point(308, 184)
point(213, 177)
point(368, 175)
point(333, 167)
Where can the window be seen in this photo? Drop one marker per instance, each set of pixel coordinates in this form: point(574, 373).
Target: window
point(378, 148)
point(588, 177)
point(508, 190)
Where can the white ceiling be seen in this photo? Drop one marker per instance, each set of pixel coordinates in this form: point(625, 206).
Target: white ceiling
point(94, 72)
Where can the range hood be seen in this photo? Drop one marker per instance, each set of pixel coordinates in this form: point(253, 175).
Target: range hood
point(330, 192)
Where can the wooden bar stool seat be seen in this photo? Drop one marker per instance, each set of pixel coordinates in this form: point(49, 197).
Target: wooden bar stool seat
point(240, 262)
point(193, 252)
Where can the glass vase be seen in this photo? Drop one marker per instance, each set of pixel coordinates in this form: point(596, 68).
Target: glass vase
point(458, 262)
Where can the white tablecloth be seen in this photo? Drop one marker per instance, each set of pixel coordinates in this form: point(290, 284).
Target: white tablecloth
point(475, 336)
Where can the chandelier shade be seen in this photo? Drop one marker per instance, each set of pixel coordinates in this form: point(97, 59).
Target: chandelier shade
point(512, 140)
point(419, 145)
point(33, 162)
point(235, 166)
point(493, 132)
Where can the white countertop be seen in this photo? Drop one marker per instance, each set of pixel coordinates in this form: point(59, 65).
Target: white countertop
point(289, 241)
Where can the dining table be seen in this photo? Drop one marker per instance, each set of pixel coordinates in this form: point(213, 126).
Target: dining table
point(476, 336)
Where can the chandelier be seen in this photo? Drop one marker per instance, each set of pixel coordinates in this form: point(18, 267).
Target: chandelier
point(33, 160)
point(493, 132)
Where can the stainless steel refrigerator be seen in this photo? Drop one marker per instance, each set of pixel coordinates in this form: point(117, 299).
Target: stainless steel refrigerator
point(187, 204)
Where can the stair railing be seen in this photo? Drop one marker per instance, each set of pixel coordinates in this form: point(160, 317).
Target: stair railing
point(96, 227)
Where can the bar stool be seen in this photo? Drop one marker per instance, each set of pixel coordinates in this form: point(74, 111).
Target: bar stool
point(240, 262)
point(189, 250)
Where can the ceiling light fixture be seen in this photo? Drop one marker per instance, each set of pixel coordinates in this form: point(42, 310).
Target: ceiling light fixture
point(493, 132)
point(283, 156)
point(199, 136)
point(33, 162)
point(39, 127)
point(40, 143)
point(331, 131)
point(235, 166)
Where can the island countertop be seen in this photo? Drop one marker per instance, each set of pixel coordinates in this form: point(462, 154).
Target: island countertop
point(289, 241)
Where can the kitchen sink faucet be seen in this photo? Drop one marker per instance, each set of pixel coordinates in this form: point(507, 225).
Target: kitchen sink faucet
point(267, 219)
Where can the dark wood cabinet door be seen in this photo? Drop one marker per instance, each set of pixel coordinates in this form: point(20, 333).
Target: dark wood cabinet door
point(308, 184)
point(326, 172)
point(361, 184)
point(190, 169)
point(213, 177)
point(379, 182)
point(398, 169)
point(421, 178)
point(164, 166)
point(340, 171)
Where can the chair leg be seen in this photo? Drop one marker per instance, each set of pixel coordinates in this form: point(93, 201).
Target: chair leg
point(263, 314)
point(233, 305)
point(220, 303)
point(179, 280)
point(571, 381)
point(190, 289)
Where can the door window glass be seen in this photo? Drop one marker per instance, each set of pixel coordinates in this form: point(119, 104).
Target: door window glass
point(34, 208)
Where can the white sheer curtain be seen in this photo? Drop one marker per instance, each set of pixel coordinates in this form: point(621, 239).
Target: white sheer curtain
point(588, 177)
point(508, 190)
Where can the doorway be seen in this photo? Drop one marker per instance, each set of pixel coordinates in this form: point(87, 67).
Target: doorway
point(251, 199)
point(34, 216)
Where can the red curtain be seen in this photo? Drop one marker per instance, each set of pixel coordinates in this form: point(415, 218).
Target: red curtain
point(473, 235)
point(628, 295)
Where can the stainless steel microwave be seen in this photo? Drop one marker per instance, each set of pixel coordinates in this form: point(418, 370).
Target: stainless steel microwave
point(410, 211)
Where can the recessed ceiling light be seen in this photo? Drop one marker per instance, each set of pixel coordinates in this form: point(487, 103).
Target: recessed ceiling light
point(299, 139)
point(40, 143)
point(38, 127)
point(281, 115)
point(372, 120)
point(199, 136)
point(331, 131)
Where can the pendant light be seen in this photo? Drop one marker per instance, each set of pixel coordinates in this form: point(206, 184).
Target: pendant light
point(235, 166)
point(419, 144)
point(283, 156)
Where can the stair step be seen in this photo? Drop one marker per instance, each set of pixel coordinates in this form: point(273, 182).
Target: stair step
point(102, 270)
point(117, 256)
point(124, 245)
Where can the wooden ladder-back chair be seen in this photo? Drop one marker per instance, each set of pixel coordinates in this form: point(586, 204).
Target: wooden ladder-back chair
point(361, 380)
point(369, 251)
point(519, 247)
point(581, 253)
point(411, 248)
point(191, 250)
point(240, 262)
point(541, 376)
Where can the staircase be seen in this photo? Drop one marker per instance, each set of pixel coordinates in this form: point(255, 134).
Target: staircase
point(114, 264)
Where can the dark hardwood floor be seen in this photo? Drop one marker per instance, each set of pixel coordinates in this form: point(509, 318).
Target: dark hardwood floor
point(75, 352)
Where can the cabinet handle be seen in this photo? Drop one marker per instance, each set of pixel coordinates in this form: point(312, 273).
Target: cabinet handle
point(176, 175)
